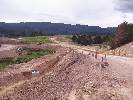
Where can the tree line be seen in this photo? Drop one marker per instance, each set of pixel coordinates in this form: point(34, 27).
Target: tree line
point(123, 36)
point(91, 39)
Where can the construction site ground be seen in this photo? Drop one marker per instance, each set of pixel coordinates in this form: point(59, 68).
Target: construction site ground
point(72, 73)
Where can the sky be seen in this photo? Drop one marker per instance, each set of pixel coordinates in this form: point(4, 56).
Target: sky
point(104, 13)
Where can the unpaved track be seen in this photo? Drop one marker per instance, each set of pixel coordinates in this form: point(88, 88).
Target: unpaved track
point(8, 51)
point(7, 47)
point(121, 67)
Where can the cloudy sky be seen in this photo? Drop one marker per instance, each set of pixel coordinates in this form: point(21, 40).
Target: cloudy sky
point(90, 12)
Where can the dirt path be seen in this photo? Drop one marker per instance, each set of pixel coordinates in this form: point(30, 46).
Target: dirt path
point(122, 67)
point(7, 47)
point(8, 51)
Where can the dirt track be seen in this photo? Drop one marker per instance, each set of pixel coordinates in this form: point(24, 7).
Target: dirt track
point(8, 51)
point(77, 76)
point(6, 47)
point(121, 67)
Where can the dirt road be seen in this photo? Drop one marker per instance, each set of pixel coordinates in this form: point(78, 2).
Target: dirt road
point(121, 67)
point(8, 51)
point(7, 47)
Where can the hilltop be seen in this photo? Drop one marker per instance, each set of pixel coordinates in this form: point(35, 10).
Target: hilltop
point(48, 28)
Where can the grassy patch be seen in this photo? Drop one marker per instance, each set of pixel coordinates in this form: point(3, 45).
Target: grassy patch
point(42, 39)
point(5, 62)
point(25, 57)
point(32, 55)
point(68, 37)
point(64, 38)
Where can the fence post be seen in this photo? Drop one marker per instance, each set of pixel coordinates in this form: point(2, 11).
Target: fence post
point(119, 52)
point(114, 51)
point(96, 55)
point(102, 59)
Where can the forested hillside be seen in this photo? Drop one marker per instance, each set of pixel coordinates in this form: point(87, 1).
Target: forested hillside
point(47, 28)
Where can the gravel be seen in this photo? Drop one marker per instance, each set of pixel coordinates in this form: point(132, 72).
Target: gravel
point(75, 77)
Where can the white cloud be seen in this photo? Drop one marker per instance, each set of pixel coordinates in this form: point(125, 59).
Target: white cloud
point(91, 12)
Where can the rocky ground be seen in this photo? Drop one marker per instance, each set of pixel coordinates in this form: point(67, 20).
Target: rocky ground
point(75, 77)
point(71, 74)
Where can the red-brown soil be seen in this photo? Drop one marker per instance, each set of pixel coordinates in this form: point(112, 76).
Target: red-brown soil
point(70, 74)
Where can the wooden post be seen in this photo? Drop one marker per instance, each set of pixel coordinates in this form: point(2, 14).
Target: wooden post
point(125, 53)
point(102, 59)
point(105, 56)
point(114, 51)
point(119, 53)
point(96, 55)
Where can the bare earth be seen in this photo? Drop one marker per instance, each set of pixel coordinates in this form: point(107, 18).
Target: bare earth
point(7, 50)
point(73, 75)
point(6, 47)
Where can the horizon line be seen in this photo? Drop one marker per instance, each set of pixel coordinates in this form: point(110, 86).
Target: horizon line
point(55, 23)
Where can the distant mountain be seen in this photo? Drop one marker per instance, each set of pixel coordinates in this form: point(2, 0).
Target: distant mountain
point(27, 28)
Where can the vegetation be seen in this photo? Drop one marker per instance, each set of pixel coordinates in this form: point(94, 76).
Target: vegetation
point(123, 35)
point(42, 39)
point(5, 62)
point(64, 38)
point(31, 54)
point(47, 28)
point(92, 39)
